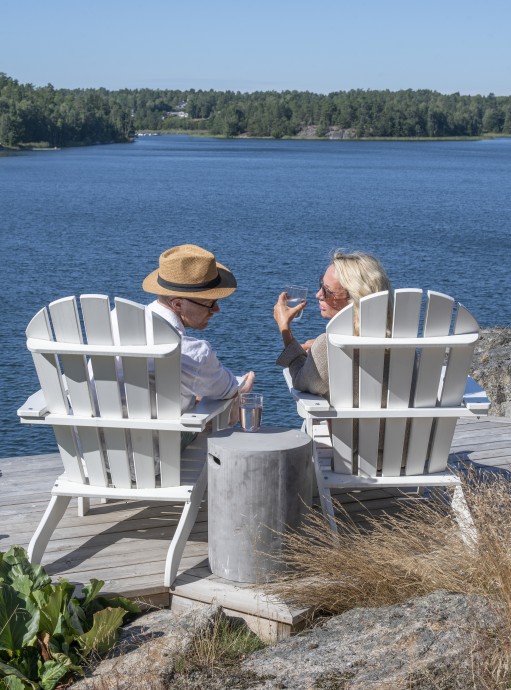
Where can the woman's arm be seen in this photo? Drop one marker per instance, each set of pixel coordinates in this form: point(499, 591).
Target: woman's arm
point(309, 371)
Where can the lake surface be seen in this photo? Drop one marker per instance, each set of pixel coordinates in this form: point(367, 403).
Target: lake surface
point(438, 215)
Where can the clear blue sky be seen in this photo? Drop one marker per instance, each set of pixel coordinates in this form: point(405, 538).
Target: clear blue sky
point(314, 45)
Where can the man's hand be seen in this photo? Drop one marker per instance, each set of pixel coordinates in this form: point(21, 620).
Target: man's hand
point(246, 387)
point(248, 383)
point(234, 414)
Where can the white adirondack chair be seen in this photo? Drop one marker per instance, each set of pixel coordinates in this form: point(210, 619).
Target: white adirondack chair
point(406, 390)
point(106, 423)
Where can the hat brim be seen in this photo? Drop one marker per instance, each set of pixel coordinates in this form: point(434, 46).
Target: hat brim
point(225, 288)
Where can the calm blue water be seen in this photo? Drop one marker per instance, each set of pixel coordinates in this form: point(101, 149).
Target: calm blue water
point(96, 219)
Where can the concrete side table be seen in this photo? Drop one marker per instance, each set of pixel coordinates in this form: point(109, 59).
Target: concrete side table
point(259, 484)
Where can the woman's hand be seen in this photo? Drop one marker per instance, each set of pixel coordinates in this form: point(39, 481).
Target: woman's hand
point(307, 345)
point(283, 314)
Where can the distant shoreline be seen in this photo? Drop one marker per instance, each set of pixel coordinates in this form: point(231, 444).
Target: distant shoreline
point(192, 133)
point(36, 146)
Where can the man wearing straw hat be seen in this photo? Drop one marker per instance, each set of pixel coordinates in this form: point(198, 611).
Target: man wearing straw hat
point(189, 282)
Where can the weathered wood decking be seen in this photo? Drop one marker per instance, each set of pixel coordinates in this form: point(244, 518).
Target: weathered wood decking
point(137, 535)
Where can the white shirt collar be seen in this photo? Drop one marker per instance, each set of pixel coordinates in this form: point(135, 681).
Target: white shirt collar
point(168, 315)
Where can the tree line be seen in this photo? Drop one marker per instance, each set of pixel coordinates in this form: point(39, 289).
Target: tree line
point(66, 117)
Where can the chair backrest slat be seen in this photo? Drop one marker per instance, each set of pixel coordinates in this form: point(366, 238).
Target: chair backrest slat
point(340, 362)
point(50, 377)
point(405, 324)
point(71, 458)
point(131, 321)
point(340, 367)
point(168, 404)
point(437, 323)
point(67, 328)
point(167, 370)
point(460, 358)
point(373, 323)
point(98, 329)
point(457, 370)
point(66, 325)
point(47, 365)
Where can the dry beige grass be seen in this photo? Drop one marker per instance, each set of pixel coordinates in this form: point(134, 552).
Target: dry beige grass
point(419, 550)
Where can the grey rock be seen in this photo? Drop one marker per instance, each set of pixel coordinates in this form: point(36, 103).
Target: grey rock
point(491, 368)
point(147, 649)
point(431, 642)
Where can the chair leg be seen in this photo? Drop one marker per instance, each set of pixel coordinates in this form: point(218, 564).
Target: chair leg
point(184, 527)
point(463, 518)
point(51, 518)
point(83, 506)
point(324, 493)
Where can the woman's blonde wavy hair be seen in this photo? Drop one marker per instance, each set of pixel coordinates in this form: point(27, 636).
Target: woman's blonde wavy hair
point(360, 274)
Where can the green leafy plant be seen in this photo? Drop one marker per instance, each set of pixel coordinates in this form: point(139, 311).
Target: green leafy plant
point(45, 632)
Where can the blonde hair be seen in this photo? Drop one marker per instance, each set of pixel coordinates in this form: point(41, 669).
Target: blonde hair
point(360, 275)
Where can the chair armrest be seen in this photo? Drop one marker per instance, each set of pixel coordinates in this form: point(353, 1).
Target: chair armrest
point(56, 347)
point(307, 401)
point(474, 397)
point(34, 406)
point(205, 410)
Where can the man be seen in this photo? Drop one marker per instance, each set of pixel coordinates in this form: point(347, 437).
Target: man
point(189, 282)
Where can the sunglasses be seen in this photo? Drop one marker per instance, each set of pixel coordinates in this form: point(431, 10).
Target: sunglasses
point(212, 305)
point(328, 294)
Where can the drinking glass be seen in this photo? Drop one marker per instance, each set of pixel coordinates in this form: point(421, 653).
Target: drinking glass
point(295, 295)
point(251, 411)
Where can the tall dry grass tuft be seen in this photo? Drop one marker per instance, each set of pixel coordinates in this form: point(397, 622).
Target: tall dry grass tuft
point(393, 558)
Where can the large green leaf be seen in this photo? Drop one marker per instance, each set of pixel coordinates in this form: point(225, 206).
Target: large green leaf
point(103, 634)
point(52, 602)
point(21, 583)
point(15, 565)
point(64, 659)
point(13, 683)
point(7, 672)
point(51, 673)
point(18, 627)
point(127, 604)
point(59, 646)
point(74, 618)
point(26, 661)
point(91, 591)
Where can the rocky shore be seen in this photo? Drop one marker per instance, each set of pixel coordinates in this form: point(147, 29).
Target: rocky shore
point(427, 643)
point(433, 642)
point(491, 368)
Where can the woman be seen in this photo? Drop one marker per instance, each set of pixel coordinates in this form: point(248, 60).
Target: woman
point(346, 280)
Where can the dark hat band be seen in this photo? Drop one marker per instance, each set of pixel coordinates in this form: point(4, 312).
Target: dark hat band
point(194, 287)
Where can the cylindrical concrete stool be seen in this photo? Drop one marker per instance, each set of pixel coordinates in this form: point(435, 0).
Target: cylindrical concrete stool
point(259, 484)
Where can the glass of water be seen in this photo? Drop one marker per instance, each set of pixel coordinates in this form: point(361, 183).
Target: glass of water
point(251, 411)
point(295, 295)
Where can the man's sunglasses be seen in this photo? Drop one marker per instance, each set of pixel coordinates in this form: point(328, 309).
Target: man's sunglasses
point(201, 304)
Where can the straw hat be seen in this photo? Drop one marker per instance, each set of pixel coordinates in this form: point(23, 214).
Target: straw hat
point(189, 270)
